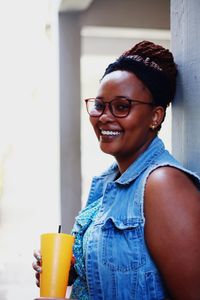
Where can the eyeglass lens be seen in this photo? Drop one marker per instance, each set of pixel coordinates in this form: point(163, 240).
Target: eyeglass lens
point(118, 107)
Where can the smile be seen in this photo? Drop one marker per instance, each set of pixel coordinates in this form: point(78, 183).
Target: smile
point(110, 132)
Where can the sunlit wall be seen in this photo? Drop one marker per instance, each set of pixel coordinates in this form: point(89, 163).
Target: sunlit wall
point(29, 145)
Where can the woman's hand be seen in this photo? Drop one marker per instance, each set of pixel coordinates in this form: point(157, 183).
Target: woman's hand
point(72, 272)
point(37, 266)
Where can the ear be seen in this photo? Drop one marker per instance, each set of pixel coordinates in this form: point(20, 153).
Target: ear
point(158, 116)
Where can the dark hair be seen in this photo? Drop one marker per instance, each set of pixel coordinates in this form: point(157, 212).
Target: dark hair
point(154, 65)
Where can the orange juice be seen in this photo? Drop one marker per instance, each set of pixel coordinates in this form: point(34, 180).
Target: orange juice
point(56, 252)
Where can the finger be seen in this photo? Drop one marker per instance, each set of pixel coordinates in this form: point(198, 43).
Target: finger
point(38, 283)
point(37, 276)
point(73, 260)
point(36, 267)
point(37, 255)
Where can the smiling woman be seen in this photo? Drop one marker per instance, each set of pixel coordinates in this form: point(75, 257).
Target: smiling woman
point(129, 241)
point(125, 246)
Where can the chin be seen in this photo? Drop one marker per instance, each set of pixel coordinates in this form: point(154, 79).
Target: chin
point(108, 150)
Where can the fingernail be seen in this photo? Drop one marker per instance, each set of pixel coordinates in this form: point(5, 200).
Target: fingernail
point(39, 269)
point(38, 257)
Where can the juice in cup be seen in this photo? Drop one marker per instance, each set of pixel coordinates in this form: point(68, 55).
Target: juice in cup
point(56, 252)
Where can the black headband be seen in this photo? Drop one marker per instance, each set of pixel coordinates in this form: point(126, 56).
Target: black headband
point(149, 73)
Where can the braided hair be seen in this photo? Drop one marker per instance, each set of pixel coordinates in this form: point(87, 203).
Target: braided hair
point(152, 64)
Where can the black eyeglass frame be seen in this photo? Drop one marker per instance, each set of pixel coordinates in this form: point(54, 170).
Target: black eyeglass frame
point(130, 101)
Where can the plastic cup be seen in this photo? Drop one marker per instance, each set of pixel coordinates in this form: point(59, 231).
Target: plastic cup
point(56, 252)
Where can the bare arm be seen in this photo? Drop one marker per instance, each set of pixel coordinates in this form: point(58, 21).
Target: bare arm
point(172, 230)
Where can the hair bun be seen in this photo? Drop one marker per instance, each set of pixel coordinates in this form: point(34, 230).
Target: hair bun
point(158, 54)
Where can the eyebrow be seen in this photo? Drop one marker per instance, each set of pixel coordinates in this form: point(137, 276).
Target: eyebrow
point(116, 97)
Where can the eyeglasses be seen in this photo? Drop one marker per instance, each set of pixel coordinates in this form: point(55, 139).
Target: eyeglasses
point(119, 107)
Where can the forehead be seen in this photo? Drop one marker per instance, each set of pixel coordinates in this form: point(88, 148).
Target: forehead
point(124, 83)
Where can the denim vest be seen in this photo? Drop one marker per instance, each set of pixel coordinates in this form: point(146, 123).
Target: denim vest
point(118, 263)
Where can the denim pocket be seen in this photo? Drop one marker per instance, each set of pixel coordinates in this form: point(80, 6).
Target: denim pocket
point(122, 244)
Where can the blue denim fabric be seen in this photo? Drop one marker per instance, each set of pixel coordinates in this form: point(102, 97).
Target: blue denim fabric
point(118, 264)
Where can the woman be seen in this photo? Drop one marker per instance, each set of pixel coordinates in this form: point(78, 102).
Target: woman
point(138, 237)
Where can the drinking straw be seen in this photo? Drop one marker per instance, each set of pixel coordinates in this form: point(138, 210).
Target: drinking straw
point(59, 229)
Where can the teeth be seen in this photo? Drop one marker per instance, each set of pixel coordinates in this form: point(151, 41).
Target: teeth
point(109, 132)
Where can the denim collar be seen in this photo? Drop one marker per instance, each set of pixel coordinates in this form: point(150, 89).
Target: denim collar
point(137, 167)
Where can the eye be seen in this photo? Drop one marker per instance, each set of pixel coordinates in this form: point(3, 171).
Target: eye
point(121, 106)
point(98, 105)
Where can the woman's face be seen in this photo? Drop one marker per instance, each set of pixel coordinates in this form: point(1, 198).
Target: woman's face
point(124, 138)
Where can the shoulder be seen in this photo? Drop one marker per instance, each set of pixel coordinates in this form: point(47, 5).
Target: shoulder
point(169, 177)
point(170, 190)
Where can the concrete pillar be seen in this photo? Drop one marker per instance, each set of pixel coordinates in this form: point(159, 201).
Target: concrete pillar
point(185, 44)
point(70, 167)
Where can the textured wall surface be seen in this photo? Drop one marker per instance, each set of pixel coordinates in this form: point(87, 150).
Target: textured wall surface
point(70, 175)
point(185, 42)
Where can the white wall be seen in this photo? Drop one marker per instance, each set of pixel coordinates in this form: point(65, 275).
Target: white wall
point(29, 143)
